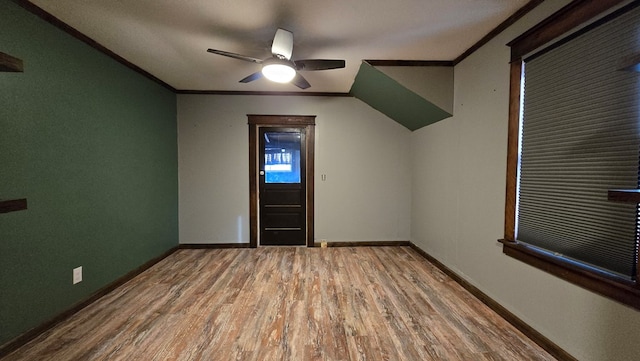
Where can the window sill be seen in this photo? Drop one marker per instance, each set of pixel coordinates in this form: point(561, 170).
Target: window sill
point(624, 195)
point(619, 289)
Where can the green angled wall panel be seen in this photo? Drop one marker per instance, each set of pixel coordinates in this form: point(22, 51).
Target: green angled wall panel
point(394, 100)
point(92, 145)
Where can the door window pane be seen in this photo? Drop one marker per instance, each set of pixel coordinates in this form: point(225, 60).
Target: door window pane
point(282, 157)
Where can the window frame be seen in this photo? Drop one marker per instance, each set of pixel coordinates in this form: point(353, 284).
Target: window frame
point(563, 21)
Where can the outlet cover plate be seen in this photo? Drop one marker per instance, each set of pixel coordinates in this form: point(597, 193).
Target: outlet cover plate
point(77, 275)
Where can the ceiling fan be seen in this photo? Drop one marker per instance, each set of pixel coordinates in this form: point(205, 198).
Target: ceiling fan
point(280, 67)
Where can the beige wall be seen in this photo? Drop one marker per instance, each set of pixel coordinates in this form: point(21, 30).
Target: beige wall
point(365, 156)
point(458, 212)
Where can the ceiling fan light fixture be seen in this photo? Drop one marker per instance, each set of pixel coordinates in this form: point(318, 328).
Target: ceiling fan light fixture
point(278, 72)
point(279, 67)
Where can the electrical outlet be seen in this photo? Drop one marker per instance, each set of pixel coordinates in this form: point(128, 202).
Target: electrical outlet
point(323, 243)
point(77, 275)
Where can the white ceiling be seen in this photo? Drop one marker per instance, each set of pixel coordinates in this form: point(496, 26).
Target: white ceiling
point(169, 38)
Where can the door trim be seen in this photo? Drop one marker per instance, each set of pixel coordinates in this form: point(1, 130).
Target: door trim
point(256, 121)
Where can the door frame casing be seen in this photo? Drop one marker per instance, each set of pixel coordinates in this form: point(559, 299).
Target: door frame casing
point(257, 121)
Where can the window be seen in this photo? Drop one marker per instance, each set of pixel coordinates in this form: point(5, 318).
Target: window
point(282, 157)
point(574, 135)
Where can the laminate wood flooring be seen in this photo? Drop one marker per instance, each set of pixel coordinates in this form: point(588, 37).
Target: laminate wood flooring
point(286, 303)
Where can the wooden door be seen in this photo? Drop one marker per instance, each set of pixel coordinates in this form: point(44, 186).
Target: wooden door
point(277, 216)
point(282, 186)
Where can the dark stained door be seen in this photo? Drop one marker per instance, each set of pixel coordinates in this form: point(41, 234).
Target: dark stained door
point(282, 186)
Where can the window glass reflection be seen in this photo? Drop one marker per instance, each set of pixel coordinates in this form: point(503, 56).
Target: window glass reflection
point(282, 157)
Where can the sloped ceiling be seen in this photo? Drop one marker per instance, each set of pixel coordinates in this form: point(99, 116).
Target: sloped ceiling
point(411, 108)
point(431, 82)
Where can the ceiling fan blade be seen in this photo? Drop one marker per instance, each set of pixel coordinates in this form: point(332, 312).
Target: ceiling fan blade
point(300, 81)
point(255, 76)
point(319, 64)
point(235, 56)
point(282, 44)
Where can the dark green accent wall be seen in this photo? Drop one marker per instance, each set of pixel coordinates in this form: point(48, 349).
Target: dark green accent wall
point(92, 145)
point(394, 100)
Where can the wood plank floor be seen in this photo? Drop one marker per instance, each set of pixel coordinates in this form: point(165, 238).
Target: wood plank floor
point(292, 303)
